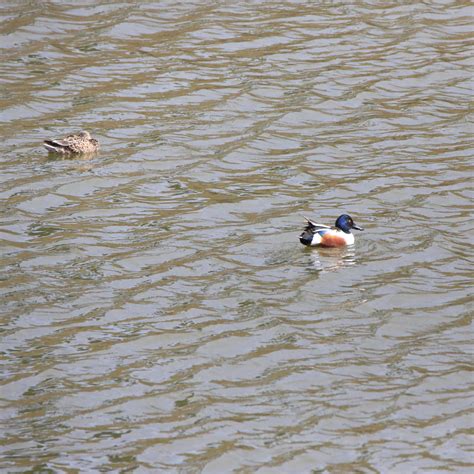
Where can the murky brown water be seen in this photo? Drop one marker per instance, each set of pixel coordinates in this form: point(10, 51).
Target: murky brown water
point(159, 313)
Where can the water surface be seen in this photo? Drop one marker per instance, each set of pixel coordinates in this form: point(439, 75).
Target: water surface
point(158, 311)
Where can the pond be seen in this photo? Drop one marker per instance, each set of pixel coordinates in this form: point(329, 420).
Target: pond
point(158, 311)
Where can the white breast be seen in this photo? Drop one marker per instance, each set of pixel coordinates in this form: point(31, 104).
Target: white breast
point(349, 238)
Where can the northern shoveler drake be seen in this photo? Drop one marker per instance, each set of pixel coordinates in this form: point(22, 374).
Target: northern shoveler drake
point(75, 143)
point(337, 236)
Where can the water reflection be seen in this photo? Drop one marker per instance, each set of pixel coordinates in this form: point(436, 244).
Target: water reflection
point(329, 259)
point(70, 157)
point(79, 162)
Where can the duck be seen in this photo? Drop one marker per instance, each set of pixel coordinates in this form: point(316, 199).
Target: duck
point(326, 236)
point(75, 143)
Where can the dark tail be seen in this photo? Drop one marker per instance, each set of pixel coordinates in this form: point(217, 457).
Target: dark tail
point(51, 145)
point(306, 237)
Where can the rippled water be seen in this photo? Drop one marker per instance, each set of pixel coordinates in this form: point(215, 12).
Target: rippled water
point(159, 313)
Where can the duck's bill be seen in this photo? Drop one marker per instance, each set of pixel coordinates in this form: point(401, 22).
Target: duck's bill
point(356, 227)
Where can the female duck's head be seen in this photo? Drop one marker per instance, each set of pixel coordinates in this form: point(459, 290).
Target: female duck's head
point(345, 223)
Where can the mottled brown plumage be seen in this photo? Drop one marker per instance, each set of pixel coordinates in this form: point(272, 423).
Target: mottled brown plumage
point(77, 143)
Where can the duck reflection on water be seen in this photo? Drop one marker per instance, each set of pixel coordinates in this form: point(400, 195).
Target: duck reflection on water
point(327, 259)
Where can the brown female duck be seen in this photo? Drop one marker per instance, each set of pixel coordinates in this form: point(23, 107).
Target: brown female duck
point(75, 143)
